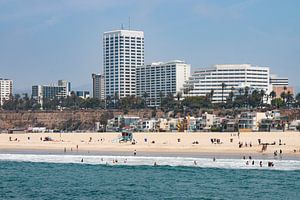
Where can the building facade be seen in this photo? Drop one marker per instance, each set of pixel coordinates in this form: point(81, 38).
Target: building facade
point(62, 90)
point(83, 94)
point(6, 87)
point(161, 78)
point(278, 81)
point(281, 85)
point(123, 52)
point(226, 78)
point(98, 86)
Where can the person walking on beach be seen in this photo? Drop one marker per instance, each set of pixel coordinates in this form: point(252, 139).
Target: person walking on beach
point(214, 159)
point(81, 159)
point(195, 162)
point(134, 153)
point(260, 163)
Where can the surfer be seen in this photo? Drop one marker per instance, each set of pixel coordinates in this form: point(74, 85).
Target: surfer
point(81, 159)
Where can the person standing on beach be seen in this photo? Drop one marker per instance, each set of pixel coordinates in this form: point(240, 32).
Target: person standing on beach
point(134, 153)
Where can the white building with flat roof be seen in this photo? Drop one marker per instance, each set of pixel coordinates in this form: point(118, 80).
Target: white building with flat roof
point(278, 81)
point(160, 78)
point(6, 86)
point(123, 52)
point(231, 76)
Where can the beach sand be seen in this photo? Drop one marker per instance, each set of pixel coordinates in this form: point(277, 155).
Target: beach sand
point(156, 143)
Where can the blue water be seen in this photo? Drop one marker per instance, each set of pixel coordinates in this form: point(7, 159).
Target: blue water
point(34, 180)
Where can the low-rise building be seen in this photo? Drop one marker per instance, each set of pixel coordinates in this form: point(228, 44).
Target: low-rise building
point(249, 121)
point(83, 94)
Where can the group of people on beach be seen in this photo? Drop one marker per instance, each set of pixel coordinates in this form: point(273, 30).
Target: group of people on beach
point(252, 162)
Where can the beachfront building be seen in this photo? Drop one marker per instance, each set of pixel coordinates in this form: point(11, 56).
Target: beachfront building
point(98, 86)
point(160, 79)
point(222, 79)
point(61, 90)
point(147, 124)
point(249, 121)
point(6, 86)
point(123, 52)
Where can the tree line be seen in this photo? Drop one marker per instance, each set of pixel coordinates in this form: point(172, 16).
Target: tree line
point(181, 102)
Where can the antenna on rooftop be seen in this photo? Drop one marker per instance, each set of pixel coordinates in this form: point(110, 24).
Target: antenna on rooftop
point(122, 27)
point(129, 23)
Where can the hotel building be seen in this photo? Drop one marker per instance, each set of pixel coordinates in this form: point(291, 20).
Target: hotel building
point(234, 76)
point(40, 92)
point(98, 86)
point(161, 78)
point(123, 52)
point(5, 89)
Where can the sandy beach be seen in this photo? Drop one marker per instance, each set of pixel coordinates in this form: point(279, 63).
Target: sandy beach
point(156, 143)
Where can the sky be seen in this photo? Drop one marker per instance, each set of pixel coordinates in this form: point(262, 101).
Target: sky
point(42, 41)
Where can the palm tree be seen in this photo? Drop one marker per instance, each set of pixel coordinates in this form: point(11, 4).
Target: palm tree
point(298, 99)
point(262, 95)
point(223, 87)
point(116, 99)
point(289, 98)
point(211, 95)
point(161, 95)
point(145, 97)
point(247, 95)
point(272, 94)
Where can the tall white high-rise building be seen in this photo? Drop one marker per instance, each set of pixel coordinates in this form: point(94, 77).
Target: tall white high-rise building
point(5, 89)
point(123, 52)
point(161, 79)
point(232, 77)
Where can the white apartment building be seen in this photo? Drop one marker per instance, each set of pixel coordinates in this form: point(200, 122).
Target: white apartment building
point(98, 86)
point(234, 76)
point(160, 78)
point(278, 81)
point(123, 52)
point(5, 89)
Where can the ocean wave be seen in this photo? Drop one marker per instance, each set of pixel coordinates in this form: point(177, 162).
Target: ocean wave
point(150, 161)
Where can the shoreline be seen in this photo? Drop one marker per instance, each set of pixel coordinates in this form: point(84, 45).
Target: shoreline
point(217, 155)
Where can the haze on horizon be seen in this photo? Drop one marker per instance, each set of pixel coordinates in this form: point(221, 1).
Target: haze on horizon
point(43, 41)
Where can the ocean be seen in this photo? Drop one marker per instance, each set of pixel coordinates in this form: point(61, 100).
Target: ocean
point(33, 176)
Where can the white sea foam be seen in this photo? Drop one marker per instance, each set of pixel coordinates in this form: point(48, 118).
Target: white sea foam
point(148, 160)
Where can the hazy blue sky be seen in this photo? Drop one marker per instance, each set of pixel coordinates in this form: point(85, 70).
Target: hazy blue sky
point(42, 41)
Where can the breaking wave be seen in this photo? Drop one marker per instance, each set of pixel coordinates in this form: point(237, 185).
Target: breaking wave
point(150, 161)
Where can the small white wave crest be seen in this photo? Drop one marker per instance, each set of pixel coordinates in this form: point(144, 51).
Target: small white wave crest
point(150, 161)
